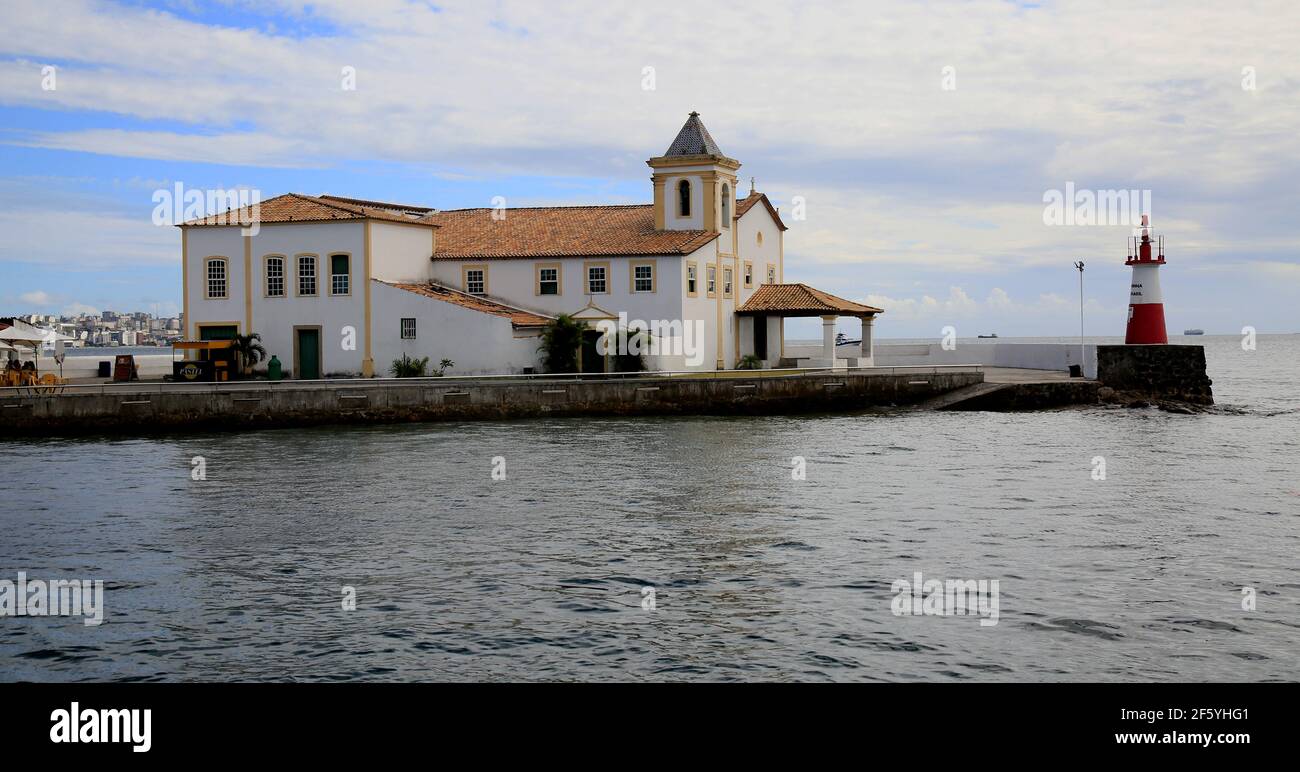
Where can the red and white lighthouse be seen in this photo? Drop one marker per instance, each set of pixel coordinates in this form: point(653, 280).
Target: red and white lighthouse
point(1146, 306)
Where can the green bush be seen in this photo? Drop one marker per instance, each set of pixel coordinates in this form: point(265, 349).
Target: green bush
point(407, 367)
point(560, 341)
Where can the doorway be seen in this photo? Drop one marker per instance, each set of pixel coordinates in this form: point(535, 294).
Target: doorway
point(306, 353)
point(589, 358)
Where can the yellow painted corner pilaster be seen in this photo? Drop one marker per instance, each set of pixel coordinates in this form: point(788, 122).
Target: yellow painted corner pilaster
point(248, 284)
point(367, 362)
point(185, 282)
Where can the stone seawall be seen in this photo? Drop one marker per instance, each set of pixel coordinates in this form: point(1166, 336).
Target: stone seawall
point(138, 409)
point(1156, 372)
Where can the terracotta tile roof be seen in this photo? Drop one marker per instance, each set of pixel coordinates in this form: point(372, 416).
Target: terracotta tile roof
point(517, 316)
point(559, 231)
point(295, 207)
point(801, 300)
point(419, 210)
point(747, 203)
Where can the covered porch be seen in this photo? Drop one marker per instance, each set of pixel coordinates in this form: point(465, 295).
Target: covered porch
point(761, 325)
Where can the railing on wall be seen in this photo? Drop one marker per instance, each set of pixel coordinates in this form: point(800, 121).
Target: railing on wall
point(171, 387)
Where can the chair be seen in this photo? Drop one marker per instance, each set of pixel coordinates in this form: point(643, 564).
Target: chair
point(51, 384)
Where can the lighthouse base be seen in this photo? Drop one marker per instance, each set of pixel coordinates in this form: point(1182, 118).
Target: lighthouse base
point(1146, 324)
point(1157, 372)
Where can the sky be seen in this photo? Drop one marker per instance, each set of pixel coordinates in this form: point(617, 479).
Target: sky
point(912, 147)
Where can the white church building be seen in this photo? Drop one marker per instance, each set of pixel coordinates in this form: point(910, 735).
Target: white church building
point(338, 286)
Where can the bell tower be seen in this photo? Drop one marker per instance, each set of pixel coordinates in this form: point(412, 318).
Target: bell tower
point(695, 183)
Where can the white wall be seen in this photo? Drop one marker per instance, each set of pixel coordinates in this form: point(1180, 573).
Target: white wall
point(400, 253)
point(1033, 356)
point(479, 343)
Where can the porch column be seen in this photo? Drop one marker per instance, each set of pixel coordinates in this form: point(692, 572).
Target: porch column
point(828, 339)
point(868, 322)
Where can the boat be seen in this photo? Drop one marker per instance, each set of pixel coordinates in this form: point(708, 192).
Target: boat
point(993, 335)
point(1193, 332)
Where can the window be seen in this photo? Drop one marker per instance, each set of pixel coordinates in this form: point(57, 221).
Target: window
point(684, 198)
point(340, 274)
point(475, 279)
point(749, 275)
point(726, 282)
point(306, 274)
point(771, 274)
point(711, 280)
point(726, 205)
point(548, 279)
point(692, 277)
point(408, 329)
point(597, 279)
point(216, 272)
point(760, 238)
point(275, 276)
point(643, 277)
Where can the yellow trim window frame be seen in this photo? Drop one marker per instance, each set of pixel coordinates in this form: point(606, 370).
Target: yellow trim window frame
point(749, 274)
point(548, 279)
point(711, 280)
point(340, 280)
point(307, 275)
point(692, 279)
point(216, 278)
point(474, 278)
point(641, 277)
point(274, 276)
point(597, 277)
point(726, 282)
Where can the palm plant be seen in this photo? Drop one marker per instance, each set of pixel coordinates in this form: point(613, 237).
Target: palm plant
point(409, 367)
point(248, 350)
point(749, 362)
point(560, 340)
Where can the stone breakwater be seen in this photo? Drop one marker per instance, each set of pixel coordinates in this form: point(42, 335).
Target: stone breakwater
point(187, 407)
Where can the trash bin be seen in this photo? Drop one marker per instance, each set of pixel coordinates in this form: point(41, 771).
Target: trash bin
point(274, 370)
point(105, 369)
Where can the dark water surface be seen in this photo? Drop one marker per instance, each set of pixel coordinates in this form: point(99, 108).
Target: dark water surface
point(756, 576)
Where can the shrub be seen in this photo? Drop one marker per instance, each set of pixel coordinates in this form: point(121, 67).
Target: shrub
point(560, 340)
point(407, 367)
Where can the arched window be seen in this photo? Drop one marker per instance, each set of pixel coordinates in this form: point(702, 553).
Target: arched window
point(215, 270)
point(684, 198)
point(726, 205)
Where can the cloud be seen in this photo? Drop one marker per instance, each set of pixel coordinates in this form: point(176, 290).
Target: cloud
point(35, 298)
point(960, 306)
point(78, 309)
point(86, 239)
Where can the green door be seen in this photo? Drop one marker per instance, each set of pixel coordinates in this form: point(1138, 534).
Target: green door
point(308, 354)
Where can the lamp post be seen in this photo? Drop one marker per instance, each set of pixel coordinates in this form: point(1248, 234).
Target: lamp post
point(1079, 264)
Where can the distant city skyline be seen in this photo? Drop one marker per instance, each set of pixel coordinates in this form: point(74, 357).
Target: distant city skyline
point(923, 165)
